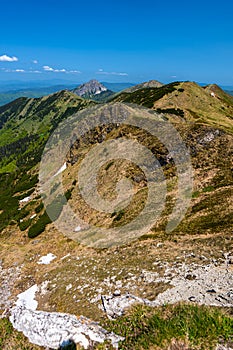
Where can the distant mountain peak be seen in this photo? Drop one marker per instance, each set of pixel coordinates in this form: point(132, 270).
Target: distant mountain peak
point(146, 84)
point(91, 88)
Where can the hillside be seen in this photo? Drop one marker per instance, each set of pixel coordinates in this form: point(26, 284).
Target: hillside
point(70, 267)
point(145, 85)
point(25, 125)
point(7, 96)
point(9, 93)
point(209, 105)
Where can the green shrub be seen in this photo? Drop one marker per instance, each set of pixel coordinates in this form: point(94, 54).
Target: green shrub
point(39, 227)
point(195, 194)
point(68, 194)
point(109, 165)
point(119, 215)
point(25, 194)
point(25, 183)
point(23, 225)
point(52, 213)
point(208, 189)
point(39, 207)
point(176, 111)
point(21, 214)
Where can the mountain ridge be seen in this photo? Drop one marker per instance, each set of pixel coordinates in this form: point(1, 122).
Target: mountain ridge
point(9, 93)
point(146, 84)
point(185, 99)
point(154, 269)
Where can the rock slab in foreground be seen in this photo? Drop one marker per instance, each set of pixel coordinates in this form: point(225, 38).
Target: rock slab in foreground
point(115, 305)
point(52, 329)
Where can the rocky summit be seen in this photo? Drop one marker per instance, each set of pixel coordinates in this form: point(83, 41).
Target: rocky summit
point(93, 89)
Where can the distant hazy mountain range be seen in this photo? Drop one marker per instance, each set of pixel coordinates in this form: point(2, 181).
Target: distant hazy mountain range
point(9, 91)
point(13, 90)
point(11, 95)
point(99, 92)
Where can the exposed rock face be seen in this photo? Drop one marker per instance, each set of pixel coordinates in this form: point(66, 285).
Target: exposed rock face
point(223, 347)
point(114, 305)
point(54, 329)
point(208, 285)
point(93, 87)
point(7, 280)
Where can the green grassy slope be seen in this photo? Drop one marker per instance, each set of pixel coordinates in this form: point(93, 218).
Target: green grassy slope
point(208, 106)
point(25, 126)
point(147, 84)
point(7, 96)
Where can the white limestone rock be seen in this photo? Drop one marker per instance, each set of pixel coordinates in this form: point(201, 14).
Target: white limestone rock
point(115, 305)
point(53, 329)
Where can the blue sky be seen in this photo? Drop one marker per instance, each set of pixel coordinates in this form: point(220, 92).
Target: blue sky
point(118, 41)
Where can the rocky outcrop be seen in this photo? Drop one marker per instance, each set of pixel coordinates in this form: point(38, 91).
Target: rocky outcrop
point(209, 285)
point(223, 347)
point(8, 277)
point(114, 305)
point(54, 329)
point(92, 87)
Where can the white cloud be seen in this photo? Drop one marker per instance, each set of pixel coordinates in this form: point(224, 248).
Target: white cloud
point(6, 70)
point(50, 69)
point(101, 71)
point(74, 71)
point(35, 71)
point(5, 58)
point(35, 61)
